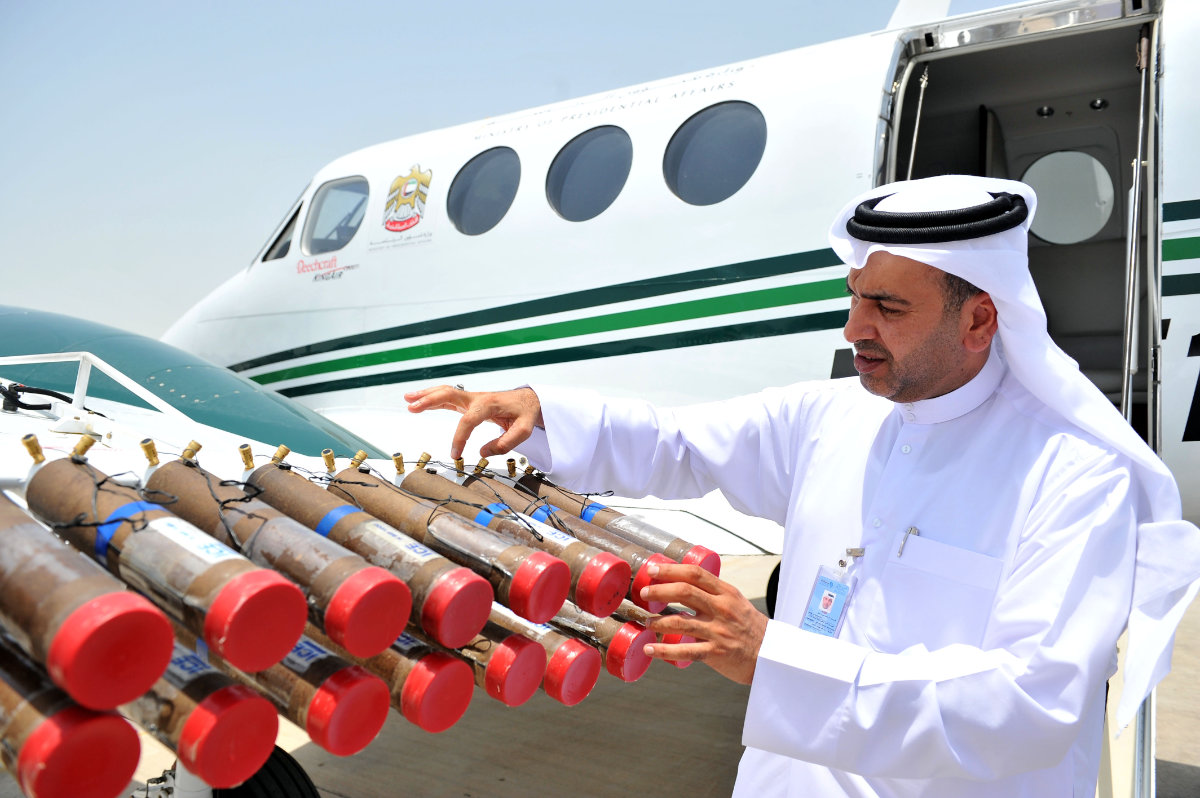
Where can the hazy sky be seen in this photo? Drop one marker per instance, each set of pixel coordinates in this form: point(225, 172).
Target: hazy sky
point(150, 148)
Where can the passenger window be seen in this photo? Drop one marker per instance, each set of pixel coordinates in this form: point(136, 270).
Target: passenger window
point(715, 152)
point(1075, 196)
point(336, 212)
point(283, 242)
point(589, 172)
point(483, 190)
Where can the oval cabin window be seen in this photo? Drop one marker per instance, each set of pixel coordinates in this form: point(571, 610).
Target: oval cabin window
point(1075, 196)
point(715, 152)
point(483, 190)
point(589, 172)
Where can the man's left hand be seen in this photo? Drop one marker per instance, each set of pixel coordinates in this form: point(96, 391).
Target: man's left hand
point(727, 628)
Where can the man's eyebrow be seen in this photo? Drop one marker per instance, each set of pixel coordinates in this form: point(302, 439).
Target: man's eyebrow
point(878, 296)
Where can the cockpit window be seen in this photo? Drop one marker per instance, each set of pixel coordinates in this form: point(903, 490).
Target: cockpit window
point(589, 172)
point(715, 152)
point(483, 190)
point(283, 242)
point(335, 214)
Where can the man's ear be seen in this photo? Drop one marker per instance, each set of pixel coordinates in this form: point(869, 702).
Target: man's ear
point(979, 313)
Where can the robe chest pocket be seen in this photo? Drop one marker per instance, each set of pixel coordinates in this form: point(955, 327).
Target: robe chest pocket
point(934, 594)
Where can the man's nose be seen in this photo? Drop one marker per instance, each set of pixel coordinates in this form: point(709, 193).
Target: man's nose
point(857, 328)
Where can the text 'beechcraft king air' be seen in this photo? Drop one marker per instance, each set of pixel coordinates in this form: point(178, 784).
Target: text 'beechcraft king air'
point(666, 241)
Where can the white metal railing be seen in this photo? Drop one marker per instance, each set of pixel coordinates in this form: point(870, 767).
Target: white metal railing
point(87, 361)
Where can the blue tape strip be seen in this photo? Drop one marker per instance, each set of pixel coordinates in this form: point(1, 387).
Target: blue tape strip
point(491, 511)
point(589, 510)
point(332, 517)
point(105, 531)
point(542, 513)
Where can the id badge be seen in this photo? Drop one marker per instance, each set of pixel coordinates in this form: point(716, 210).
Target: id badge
point(827, 602)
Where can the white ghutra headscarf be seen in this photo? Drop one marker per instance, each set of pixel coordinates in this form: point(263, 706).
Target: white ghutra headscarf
point(1167, 574)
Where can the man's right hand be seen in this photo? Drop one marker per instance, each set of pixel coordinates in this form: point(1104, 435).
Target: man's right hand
point(517, 412)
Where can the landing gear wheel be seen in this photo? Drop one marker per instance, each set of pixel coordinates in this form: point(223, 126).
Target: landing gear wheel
point(280, 777)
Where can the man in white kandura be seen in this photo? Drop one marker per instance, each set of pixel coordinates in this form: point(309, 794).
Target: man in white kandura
point(1000, 522)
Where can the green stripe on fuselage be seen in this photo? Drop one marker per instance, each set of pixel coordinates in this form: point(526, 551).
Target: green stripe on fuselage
point(611, 322)
point(560, 303)
point(1181, 248)
point(790, 325)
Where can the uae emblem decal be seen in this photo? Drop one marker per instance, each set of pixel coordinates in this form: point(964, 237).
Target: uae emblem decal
point(406, 200)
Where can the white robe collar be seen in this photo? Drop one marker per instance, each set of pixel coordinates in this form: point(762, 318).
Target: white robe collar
point(960, 401)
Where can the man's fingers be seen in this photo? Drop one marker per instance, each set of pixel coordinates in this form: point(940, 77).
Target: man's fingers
point(439, 397)
point(513, 437)
point(466, 425)
point(691, 574)
point(679, 652)
point(679, 593)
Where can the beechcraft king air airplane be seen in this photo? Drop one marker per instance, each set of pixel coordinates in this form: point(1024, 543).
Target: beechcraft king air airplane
point(667, 240)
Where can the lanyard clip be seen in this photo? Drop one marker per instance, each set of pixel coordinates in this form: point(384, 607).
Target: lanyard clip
point(912, 530)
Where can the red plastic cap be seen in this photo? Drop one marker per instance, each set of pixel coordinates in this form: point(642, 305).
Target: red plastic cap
point(643, 580)
point(674, 639)
point(255, 620)
point(572, 672)
point(706, 558)
point(228, 736)
point(603, 584)
point(539, 587)
point(456, 607)
point(110, 650)
point(626, 658)
point(437, 691)
point(347, 711)
point(78, 752)
point(368, 612)
point(515, 670)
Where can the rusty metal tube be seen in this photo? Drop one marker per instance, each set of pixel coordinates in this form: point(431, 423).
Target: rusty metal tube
point(508, 666)
point(430, 688)
point(339, 704)
point(50, 744)
point(599, 579)
point(251, 616)
point(621, 642)
point(627, 527)
point(362, 607)
point(450, 602)
point(98, 641)
point(532, 583)
point(221, 730)
point(638, 557)
point(572, 666)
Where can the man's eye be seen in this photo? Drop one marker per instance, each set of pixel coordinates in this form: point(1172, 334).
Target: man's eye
point(887, 311)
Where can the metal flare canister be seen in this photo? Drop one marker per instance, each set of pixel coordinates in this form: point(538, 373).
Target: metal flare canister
point(430, 688)
point(450, 602)
point(632, 529)
point(222, 731)
point(362, 607)
point(599, 579)
point(98, 641)
point(249, 615)
point(53, 747)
